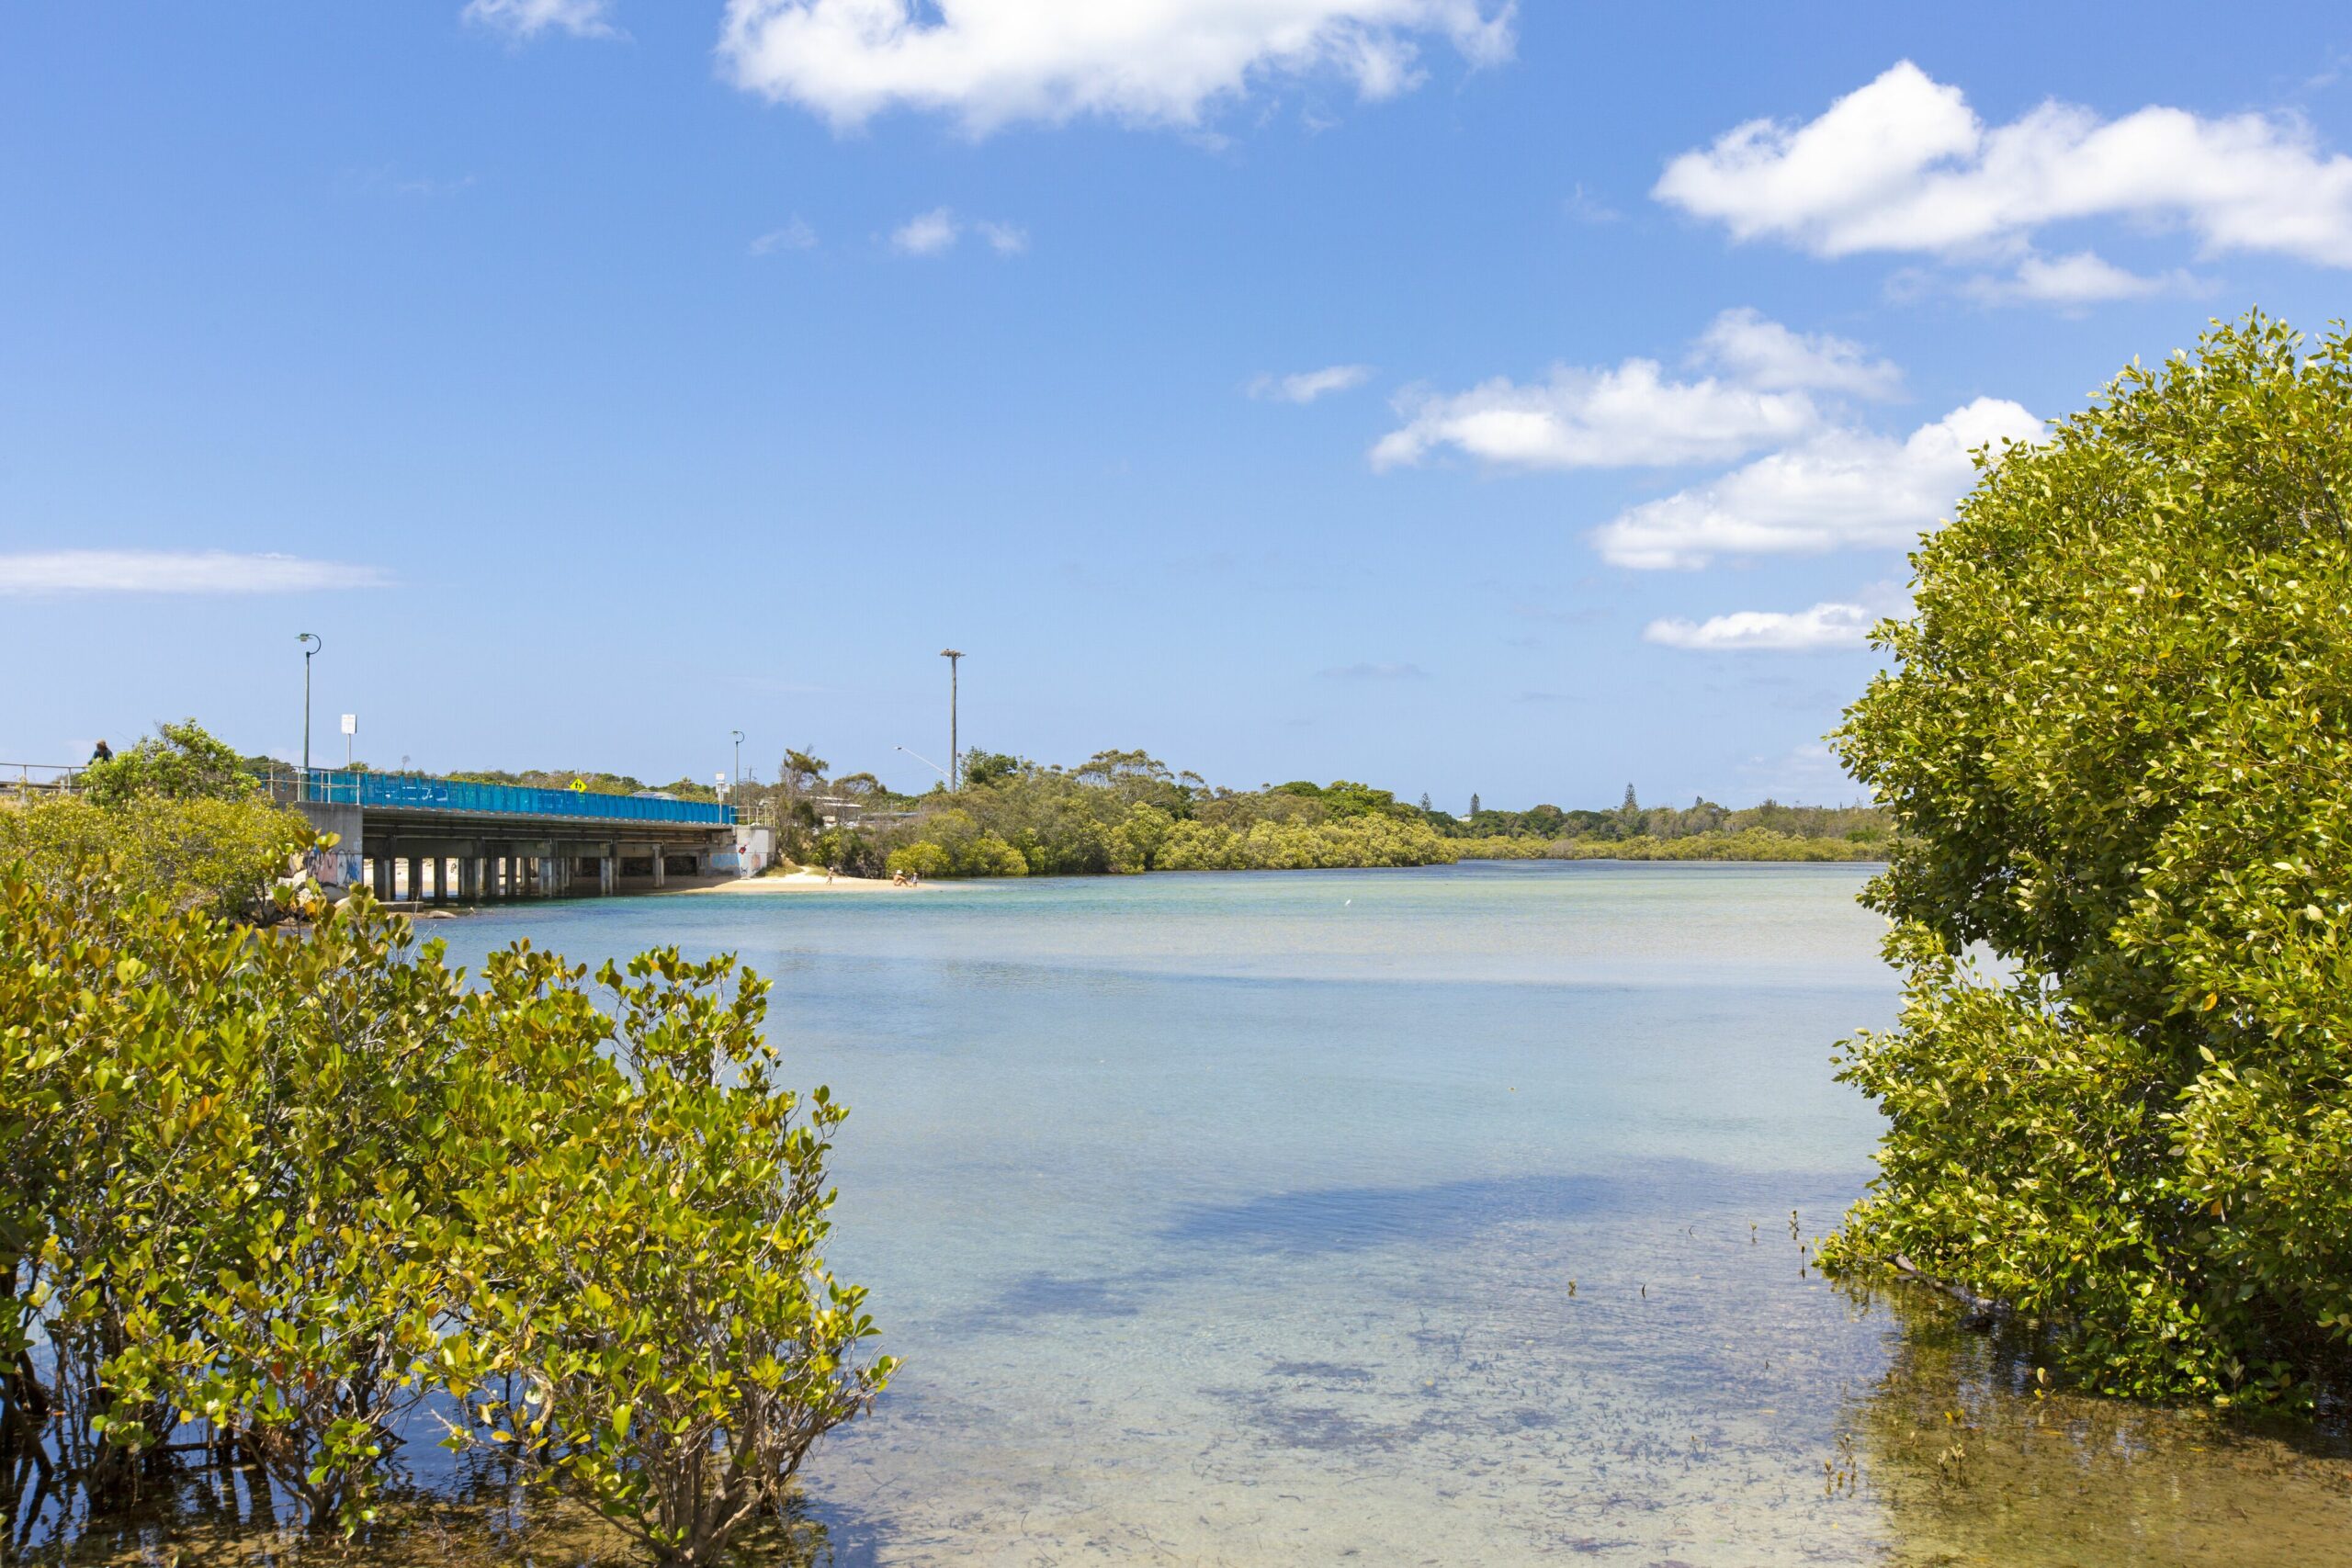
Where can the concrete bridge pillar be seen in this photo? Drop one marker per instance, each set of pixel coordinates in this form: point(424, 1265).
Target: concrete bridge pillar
point(380, 871)
point(659, 873)
point(605, 875)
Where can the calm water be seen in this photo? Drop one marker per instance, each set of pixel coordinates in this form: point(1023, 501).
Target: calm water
point(1435, 1216)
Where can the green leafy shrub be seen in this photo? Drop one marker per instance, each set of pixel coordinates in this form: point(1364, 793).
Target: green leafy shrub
point(219, 855)
point(2117, 743)
point(655, 1297)
point(1297, 846)
point(179, 762)
point(280, 1183)
point(954, 845)
point(1745, 844)
point(177, 816)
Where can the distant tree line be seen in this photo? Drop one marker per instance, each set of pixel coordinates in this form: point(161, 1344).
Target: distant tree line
point(1125, 811)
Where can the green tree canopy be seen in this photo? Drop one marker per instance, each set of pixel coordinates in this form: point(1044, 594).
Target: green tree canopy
point(981, 768)
point(800, 771)
point(179, 762)
point(2117, 745)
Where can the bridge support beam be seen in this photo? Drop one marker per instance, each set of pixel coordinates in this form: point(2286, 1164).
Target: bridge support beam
point(425, 857)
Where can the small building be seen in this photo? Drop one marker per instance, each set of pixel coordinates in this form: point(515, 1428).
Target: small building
point(752, 851)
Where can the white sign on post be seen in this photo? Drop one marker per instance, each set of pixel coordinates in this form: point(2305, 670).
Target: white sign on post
point(351, 724)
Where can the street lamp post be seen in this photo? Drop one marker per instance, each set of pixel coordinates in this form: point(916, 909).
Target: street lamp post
point(738, 787)
point(313, 645)
point(955, 665)
point(923, 760)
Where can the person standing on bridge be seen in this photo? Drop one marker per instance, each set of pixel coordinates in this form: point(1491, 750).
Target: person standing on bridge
point(102, 752)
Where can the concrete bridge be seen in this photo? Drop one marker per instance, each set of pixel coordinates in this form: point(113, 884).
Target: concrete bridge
point(445, 840)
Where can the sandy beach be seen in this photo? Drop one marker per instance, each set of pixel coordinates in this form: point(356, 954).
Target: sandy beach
point(810, 881)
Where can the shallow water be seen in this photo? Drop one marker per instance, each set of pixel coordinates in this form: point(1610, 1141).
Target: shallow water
point(1453, 1216)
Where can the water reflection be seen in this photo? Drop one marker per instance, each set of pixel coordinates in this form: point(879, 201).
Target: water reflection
point(473, 1513)
point(1967, 1459)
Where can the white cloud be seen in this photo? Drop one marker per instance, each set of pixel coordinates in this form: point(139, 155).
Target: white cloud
point(795, 235)
point(928, 233)
point(1004, 239)
point(176, 571)
point(1632, 415)
point(1904, 164)
point(1763, 352)
point(1748, 631)
point(1635, 415)
point(988, 62)
point(1842, 489)
point(1308, 385)
point(528, 18)
point(2082, 278)
point(939, 231)
point(1586, 207)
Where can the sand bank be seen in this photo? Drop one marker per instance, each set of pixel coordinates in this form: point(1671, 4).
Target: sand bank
point(809, 882)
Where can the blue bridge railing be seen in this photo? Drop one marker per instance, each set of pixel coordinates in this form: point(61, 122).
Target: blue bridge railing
point(416, 791)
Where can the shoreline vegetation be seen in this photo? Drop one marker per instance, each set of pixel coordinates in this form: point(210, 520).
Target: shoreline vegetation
point(2115, 733)
point(288, 1193)
point(1126, 812)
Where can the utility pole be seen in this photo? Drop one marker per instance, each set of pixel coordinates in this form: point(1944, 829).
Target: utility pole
point(738, 788)
point(312, 646)
point(955, 664)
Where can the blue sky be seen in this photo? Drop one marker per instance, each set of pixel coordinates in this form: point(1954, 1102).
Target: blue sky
point(1452, 397)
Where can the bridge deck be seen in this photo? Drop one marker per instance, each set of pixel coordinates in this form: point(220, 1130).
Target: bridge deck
point(413, 791)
